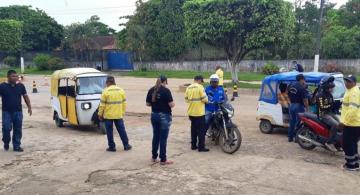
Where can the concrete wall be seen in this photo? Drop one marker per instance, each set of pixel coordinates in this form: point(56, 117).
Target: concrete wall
point(348, 65)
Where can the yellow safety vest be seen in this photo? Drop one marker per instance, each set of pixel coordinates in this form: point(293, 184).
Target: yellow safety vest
point(350, 112)
point(220, 74)
point(196, 97)
point(112, 103)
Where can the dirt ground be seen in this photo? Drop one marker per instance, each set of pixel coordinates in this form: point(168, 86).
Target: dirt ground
point(74, 161)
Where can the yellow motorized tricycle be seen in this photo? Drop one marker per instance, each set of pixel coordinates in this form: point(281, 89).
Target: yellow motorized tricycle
point(75, 96)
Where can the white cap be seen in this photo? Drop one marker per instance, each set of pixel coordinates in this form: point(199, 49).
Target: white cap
point(214, 77)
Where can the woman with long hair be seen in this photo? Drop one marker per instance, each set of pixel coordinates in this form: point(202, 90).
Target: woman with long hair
point(160, 100)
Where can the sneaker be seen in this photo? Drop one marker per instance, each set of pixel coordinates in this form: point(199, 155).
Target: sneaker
point(194, 147)
point(345, 167)
point(19, 149)
point(290, 140)
point(330, 147)
point(204, 150)
point(154, 160)
point(128, 147)
point(168, 162)
point(111, 149)
point(6, 147)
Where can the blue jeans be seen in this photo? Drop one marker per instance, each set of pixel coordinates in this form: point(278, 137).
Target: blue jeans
point(161, 123)
point(208, 120)
point(119, 124)
point(12, 120)
point(294, 110)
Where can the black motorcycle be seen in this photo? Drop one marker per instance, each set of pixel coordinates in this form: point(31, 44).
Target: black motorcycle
point(223, 131)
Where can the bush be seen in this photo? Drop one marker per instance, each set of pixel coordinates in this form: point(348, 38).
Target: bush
point(10, 61)
point(42, 61)
point(46, 62)
point(270, 68)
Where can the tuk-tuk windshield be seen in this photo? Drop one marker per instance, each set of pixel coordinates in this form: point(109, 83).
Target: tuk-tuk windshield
point(339, 89)
point(91, 85)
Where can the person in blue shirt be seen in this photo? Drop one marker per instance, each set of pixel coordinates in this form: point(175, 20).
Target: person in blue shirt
point(216, 94)
point(299, 103)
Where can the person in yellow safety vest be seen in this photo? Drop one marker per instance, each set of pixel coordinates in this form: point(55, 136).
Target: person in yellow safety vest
point(220, 74)
point(196, 97)
point(350, 123)
point(111, 110)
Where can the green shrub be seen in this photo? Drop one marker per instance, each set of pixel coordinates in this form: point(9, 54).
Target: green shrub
point(42, 61)
point(10, 61)
point(46, 62)
point(270, 68)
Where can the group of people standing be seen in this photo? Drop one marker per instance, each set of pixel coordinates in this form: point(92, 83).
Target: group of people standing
point(296, 99)
point(202, 103)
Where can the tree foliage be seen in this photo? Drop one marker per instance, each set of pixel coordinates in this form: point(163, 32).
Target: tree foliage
point(91, 28)
point(10, 36)
point(156, 30)
point(239, 26)
point(40, 31)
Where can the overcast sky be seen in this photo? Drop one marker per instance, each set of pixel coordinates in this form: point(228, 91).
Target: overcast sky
point(70, 11)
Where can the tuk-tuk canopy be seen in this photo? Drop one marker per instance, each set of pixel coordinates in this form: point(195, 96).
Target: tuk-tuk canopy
point(270, 83)
point(72, 73)
point(311, 77)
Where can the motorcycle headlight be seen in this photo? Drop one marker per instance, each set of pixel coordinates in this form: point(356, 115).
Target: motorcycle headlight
point(230, 113)
point(86, 106)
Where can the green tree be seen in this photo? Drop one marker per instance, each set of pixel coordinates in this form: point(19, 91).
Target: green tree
point(350, 13)
point(40, 31)
point(157, 30)
point(10, 36)
point(239, 27)
point(82, 31)
point(341, 42)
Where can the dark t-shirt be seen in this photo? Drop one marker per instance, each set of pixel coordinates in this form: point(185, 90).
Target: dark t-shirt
point(163, 98)
point(11, 96)
point(297, 93)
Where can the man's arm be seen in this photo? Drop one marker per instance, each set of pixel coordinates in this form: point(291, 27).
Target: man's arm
point(28, 103)
point(203, 96)
point(102, 106)
point(148, 99)
point(354, 104)
point(124, 103)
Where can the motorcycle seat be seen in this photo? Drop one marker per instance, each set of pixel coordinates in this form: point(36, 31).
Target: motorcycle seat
point(314, 117)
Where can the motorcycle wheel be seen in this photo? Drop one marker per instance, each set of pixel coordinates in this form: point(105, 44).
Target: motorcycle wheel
point(305, 131)
point(233, 144)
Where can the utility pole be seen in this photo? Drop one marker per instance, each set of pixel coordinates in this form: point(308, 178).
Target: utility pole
point(318, 38)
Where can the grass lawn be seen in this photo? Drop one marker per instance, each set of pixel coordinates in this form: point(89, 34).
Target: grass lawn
point(243, 76)
point(34, 71)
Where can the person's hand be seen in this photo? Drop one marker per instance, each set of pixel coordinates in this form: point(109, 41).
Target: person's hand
point(30, 111)
point(101, 118)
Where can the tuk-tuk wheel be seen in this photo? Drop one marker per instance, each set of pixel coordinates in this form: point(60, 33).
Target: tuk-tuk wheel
point(58, 121)
point(266, 127)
